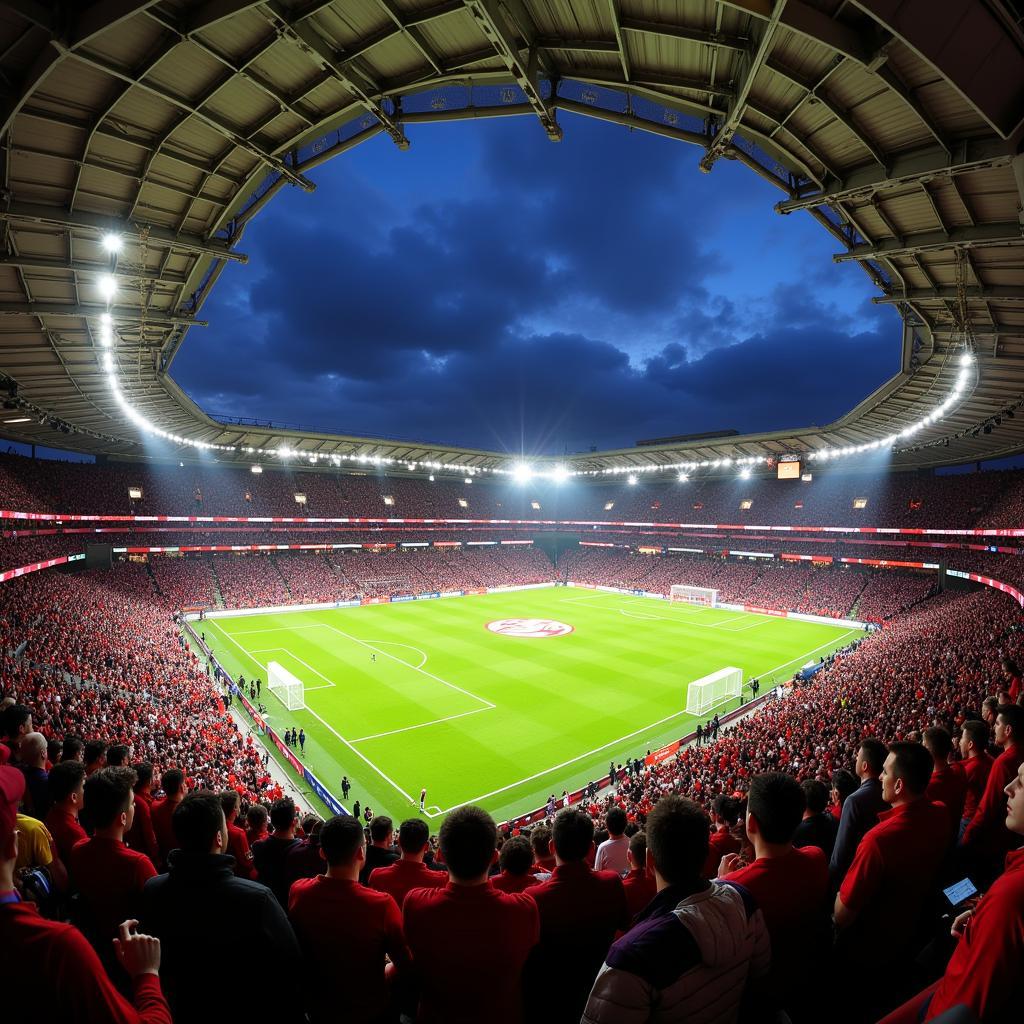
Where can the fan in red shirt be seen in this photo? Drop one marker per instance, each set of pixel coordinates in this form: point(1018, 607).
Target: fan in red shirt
point(409, 872)
point(67, 791)
point(580, 912)
point(341, 925)
point(987, 840)
point(516, 862)
point(172, 782)
point(896, 865)
point(141, 836)
point(469, 941)
point(639, 884)
point(725, 812)
point(947, 786)
point(789, 885)
point(256, 824)
point(109, 875)
point(238, 842)
point(51, 962)
point(975, 767)
point(984, 972)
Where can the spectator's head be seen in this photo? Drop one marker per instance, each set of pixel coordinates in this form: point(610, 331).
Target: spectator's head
point(938, 743)
point(95, 755)
point(637, 852)
point(72, 749)
point(1003, 696)
point(117, 755)
point(516, 856)
point(15, 723)
point(616, 821)
point(843, 784)
point(906, 773)
point(110, 800)
point(382, 830)
point(1009, 729)
point(12, 788)
point(540, 840)
point(973, 738)
point(726, 809)
point(53, 749)
point(33, 750)
point(815, 796)
point(143, 777)
point(775, 805)
point(256, 819)
point(677, 841)
point(343, 845)
point(1015, 803)
point(311, 824)
point(172, 782)
point(572, 835)
point(199, 825)
point(283, 816)
point(66, 784)
point(413, 836)
point(989, 709)
point(468, 844)
point(229, 802)
point(870, 758)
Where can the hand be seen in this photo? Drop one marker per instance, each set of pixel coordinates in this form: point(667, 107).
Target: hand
point(730, 862)
point(960, 923)
point(138, 954)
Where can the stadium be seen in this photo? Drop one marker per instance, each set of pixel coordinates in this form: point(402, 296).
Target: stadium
point(718, 726)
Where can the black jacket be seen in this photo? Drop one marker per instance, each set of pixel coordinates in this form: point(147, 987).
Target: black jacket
point(377, 857)
point(215, 929)
point(269, 856)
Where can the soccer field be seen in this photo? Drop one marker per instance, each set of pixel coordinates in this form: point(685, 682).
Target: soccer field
point(423, 693)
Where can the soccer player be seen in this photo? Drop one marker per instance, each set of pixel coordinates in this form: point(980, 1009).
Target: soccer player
point(423, 798)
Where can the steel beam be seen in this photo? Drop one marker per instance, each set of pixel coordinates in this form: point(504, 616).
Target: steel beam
point(319, 50)
point(689, 35)
point(754, 61)
point(995, 293)
point(94, 222)
point(491, 22)
point(81, 267)
point(413, 33)
point(924, 241)
point(124, 314)
point(910, 168)
point(615, 14)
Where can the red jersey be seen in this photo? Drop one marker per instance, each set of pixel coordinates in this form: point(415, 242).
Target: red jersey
point(987, 830)
point(640, 890)
point(720, 843)
point(66, 831)
point(975, 771)
point(109, 878)
point(469, 944)
point(342, 925)
point(505, 882)
point(948, 786)
point(238, 847)
point(160, 812)
point(893, 871)
point(403, 876)
point(54, 961)
point(141, 836)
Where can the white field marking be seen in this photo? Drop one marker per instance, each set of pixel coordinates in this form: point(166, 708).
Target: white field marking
point(422, 725)
point(394, 643)
point(284, 650)
point(434, 807)
point(751, 625)
point(702, 625)
point(636, 732)
point(330, 728)
point(429, 675)
point(268, 629)
point(639, 615)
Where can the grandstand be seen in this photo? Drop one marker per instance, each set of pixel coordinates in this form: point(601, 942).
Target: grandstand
point(474, 636)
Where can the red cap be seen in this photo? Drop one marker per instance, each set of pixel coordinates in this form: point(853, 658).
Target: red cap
point(12, 788)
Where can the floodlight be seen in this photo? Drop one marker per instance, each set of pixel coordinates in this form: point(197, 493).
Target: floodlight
point(107, 285)
point(468, 480)
point(255, 469)
point(521, 472)
point(631, 479)
point(745, 474)
point(966, 359)
point(683, 478)
point(560, 474)
point(113, 243)
point(431, 478)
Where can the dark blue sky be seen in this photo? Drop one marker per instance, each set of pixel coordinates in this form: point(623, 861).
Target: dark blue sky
point(491, 288)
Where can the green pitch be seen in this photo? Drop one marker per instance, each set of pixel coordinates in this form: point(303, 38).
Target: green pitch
point(403, 696)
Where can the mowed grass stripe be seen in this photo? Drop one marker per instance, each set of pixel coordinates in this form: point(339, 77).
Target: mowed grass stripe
point(556, 698)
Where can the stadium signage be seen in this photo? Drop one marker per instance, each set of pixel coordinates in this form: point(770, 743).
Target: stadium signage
point(530, 629)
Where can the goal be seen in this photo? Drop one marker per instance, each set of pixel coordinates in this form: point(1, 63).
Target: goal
point(288, 690)
point(710, 691)
point(694, 595)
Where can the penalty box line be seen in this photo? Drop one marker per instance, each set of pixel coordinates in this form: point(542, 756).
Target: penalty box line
point(612, 743)
point(330, 728)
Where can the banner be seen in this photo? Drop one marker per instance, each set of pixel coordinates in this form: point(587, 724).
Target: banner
point(24, 570)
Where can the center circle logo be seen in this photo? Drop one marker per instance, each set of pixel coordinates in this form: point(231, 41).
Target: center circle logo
point(532, 629)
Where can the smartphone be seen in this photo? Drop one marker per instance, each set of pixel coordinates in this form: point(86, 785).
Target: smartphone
point(960, 891)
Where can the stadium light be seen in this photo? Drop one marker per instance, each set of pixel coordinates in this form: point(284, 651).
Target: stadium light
point(107, 285)
point(431, 478)
point(745, 474)
point(113, 243)
point(966, 359)
point(560, 474)
point(631, 479)
point(683, 478)
point(468, 480)
point(521, 473)
point(255, 469)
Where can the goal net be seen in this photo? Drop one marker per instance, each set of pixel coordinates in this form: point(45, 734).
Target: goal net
point(694, 595)
point(707, 693)
point(286, 687)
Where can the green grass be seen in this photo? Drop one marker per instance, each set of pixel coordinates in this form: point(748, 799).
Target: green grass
point(496, 720)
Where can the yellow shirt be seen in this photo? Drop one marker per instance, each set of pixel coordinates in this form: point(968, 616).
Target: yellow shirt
point(34, 843)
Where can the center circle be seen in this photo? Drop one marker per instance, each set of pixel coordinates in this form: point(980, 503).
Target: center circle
point(531, 629)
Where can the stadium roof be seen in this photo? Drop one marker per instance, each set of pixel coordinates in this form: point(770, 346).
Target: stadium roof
point(897, 125)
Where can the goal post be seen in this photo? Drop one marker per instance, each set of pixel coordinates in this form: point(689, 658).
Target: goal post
point(288, 689)
point(708, 692)
point(685, 594)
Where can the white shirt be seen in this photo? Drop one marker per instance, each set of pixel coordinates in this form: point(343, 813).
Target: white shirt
point(611, 856)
